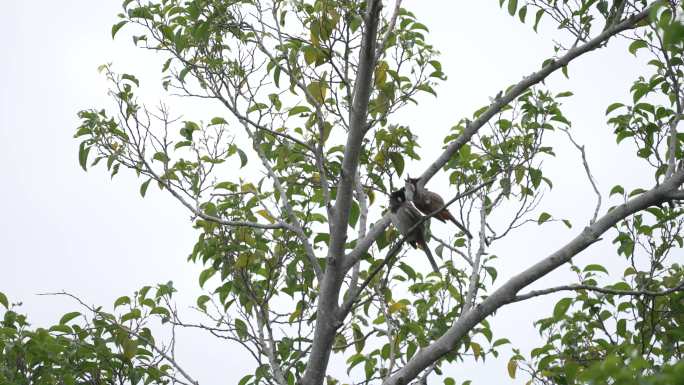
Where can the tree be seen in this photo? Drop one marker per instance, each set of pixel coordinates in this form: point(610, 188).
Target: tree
point(301, 260)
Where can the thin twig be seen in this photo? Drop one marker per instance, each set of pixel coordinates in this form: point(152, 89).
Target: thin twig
point(589, 175)
point(604, 290)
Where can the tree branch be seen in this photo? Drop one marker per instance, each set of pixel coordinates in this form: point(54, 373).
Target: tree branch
point(357, 129)
point(589, 175)
point(455, 250)
point(326, 315)
point(604, 290)
point(517, 90)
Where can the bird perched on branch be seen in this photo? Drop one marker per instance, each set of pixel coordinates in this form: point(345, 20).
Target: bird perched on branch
point(405, 217)
point(428, 202)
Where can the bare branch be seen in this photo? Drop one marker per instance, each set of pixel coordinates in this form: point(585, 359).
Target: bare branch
point(390, 28)
point(455, 250)
point(603, 290)
point(474, 282)
point(589, 175)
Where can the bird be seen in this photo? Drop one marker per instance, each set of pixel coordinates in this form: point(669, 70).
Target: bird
point(428, 202)
point(405, 217)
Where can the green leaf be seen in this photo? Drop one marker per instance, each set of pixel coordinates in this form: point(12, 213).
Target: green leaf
point(266, 215)
point(131, 79)
point(397, 162)
point(426, 88)
point(257, 107)
point(613, 107)
point(116, 27)
point(161, 156)
point(3, 300)
point(141, 13)
point(83, 156)
point(243, 158)
point(522, 13)
point(205, 275)
point(595, 267)
point(535, 177)
point(125, 300)
point(543, 217)
point(61, 329)
point(537, 18)
point(160, 310)
point(202, 302)
point(354, 213)
point(561, 308)
point(636, 45)
point(68, 317)
point(133, 314)
point(143, 187)
point(420, 26)
point(218, 120)
point(382, 241)
point(298, 110)
point(245, 379)
point(512, 7)
point(617, 189)
point(241, 328)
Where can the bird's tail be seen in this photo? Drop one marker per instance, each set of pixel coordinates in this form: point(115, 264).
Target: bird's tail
point(426, 249)
point(459, 225)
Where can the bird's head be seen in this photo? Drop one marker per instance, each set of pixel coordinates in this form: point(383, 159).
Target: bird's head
point(410, 186)
point(412, 181)
point(397, 198)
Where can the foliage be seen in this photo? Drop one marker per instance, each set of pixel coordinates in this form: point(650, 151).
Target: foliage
point(282, 188)
point(91, 348)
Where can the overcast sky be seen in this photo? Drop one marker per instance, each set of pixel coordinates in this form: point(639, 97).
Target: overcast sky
point(64, 229)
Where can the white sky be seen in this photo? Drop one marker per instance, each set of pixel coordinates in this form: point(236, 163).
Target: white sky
point(63, 229)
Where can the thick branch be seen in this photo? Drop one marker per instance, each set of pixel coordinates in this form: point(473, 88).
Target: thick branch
point(326, 314)
point(357, 129)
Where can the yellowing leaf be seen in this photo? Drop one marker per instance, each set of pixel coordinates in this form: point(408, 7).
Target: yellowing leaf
point(381, 73)
point(266, 215)
point(248, 187)
point(318, 91)
point(396, 307)
point(512, 368)
point(477, 349)
point(242, 261)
